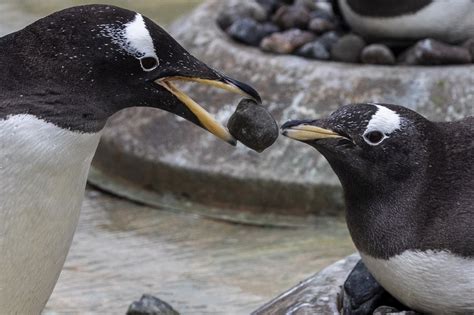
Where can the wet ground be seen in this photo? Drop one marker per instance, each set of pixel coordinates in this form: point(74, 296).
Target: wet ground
point(200, 266)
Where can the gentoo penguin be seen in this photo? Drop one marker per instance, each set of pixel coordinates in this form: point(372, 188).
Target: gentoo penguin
point(446, 20)
point(62, 78)
point(409, 191)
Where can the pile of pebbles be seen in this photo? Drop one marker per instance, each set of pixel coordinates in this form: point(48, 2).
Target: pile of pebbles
point(312, 29)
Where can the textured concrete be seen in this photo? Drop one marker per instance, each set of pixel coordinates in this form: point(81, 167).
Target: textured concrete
point(155, 151)
point(319, 294)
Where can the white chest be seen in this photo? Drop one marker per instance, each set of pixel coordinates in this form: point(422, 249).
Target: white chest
point(432, 282)
point(43, 172)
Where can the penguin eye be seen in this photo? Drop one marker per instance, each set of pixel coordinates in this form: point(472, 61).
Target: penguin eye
point(149, 63)
point(374, 137)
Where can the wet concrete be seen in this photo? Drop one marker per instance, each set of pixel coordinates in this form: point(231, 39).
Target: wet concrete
point(199, 266)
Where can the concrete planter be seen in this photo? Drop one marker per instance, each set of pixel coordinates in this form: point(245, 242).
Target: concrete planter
point(157, 158)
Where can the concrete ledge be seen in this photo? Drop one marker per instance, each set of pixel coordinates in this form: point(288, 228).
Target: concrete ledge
point(156, 152)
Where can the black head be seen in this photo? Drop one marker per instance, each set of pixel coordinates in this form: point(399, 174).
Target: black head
point(373, 146)
point(79, 66)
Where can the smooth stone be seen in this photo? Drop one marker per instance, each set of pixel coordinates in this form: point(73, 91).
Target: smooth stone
point(321, 25)
point(469, 45)
point(377, 54)
point(328, 39)
point(270, 5)
point(348, 48)
point(233, 10)
point(314, 50)
point(250, 32)
point(433, 52)
point(308, 4)
point(253, 126)
point(288, 17)
point(150, 305)
point(286, 42)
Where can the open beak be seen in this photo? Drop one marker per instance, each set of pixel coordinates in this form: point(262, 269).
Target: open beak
point(306, 132)
point(205, 119)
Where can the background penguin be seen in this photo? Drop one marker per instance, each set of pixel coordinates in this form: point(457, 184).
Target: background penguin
point(446, 20)
point(409, 191)
point(62, 78)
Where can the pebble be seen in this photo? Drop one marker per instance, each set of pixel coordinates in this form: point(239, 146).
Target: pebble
point(314, 50)
point(433, 52)
point(236, 9)
point(328, 39)
point(250, 32)
point(321, 25)
point(269, 5)
point(150, 305)
point(294, 16)
point(253, 125)
point(308, 4)
point(469, 45)
point(348, 48)
point(286, 42)
point(377, 54)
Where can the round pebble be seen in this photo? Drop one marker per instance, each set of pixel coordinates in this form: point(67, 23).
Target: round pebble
point(292, 17)
point(314, 50)
point(348, 48)
point(253, 125)
point(250, 32)
point(286, 42)
point(321, 25)
point(377, 54)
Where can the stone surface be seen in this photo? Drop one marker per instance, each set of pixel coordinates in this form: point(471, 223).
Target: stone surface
point(314, 50)
point(286, 42)
point(321, 25)
point(288, 17)
point(377, 54)
point(270, 5)
point(161, 155)
point(250, 32)
point(433, 52)
point(150, 305)
point(232, 10)
point(317, 295)
point(469, 45)
point(328, 39)
point(348, 48)
point(253, 126)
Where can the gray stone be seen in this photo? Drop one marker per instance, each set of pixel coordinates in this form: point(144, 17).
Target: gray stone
point(253, 125)
point(319, 294)
point(161, 155)
point(377, 54)
point(433, 52)
point(329, 39)
point(321, 25)
point(250, 32)
point(348, 48)
point(150, 305)
point(314, 50)
point(309, 4)
point(286, 42)
point(385, 310)
point(288, 17)
point(270, 5)
point(232, 10)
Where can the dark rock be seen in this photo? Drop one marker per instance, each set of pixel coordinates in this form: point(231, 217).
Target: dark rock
point(236, 9)
point(321, 14)
point(329, 39)
point(321, 25)
point(253, 125)
point(314, 50)
point(385, 310)
point(288, 17)
point(325, 6)
point(469, 45)
point(348, 48)
point(286, 42)
point(377, 54)
point(250, 32)
point(433, 52)
point(270, 5)
point(150, 305)
point(308, 4)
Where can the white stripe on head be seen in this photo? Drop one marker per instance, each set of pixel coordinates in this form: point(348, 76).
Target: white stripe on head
point(384, 120)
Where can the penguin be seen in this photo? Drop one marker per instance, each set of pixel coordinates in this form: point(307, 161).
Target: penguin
point(409, 191)
point(62, 77)
point(446, 20)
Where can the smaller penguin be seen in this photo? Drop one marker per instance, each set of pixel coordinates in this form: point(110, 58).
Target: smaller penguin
point(409, 191)
point(446, 20)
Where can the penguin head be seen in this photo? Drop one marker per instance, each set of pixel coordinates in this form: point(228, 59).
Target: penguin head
point(95, 60)
point(367, 144)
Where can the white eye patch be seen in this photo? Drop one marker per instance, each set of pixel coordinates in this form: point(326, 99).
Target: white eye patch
point(134, 38)
point(385, 121)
